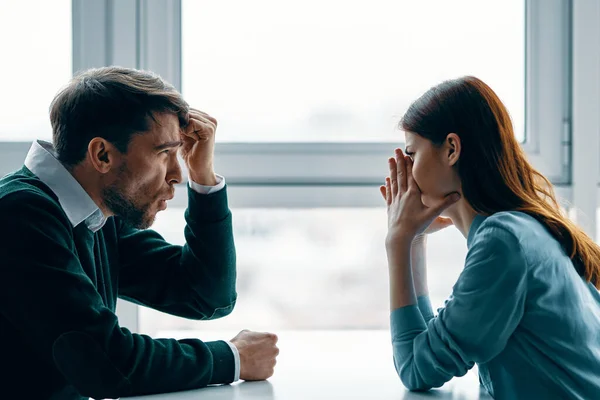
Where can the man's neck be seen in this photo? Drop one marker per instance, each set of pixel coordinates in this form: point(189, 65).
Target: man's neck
point(88, 181)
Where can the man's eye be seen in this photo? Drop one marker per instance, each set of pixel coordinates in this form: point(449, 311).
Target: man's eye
point(165, 151)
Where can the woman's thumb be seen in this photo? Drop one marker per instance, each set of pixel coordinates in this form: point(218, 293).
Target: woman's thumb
point(445, 203)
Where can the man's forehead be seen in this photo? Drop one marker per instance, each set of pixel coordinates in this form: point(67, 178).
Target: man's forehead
point(165, 129)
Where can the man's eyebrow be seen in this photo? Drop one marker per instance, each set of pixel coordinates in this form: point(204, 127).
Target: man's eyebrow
point(167, 145)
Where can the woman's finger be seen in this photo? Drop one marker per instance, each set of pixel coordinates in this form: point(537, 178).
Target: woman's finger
point(383, 192)
point(388, 191)
point(445, 221)
point(410, 179)
point(436, 210)
point(393, 176)
point(401, 168)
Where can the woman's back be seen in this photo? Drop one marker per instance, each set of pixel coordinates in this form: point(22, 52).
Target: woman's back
point(556, 345)
point(519, 310)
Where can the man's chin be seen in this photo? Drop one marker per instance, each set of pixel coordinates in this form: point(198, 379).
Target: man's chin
point(149, 220)
point(146, 221)
point(162, 205)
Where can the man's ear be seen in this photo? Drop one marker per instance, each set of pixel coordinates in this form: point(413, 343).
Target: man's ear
point(102, 155)
point(454, 147)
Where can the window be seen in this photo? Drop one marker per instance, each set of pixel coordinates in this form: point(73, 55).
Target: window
point(337, 71)
point(308, 96)
point(36, 47)
point(310, 268)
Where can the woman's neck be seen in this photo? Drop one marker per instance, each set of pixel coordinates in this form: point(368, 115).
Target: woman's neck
point(462, 215)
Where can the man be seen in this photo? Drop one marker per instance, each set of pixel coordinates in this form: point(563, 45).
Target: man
point(73, 225)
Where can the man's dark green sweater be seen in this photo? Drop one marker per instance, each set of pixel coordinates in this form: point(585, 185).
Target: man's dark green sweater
point(59, 284)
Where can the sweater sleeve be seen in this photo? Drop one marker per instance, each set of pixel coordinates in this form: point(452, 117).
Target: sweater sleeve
point(424, 304)
point(485, 308)
point(46, 295)
point(194, 281)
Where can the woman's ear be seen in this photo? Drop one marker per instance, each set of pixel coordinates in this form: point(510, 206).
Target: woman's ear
point(454, 147)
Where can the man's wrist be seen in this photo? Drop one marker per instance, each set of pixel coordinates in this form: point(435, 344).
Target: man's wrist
point(237, 361)
point(205, 179)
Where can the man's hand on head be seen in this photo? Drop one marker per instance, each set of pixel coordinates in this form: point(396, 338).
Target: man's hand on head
point(198, 147)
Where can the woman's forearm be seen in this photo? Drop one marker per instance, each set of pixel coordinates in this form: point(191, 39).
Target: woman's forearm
point(402, 291)
point(419, 265)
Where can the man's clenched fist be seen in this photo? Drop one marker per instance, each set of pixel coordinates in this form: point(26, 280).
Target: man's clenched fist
point(258, 353)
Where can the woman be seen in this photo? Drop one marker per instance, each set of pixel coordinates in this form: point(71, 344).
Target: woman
point(525, 307)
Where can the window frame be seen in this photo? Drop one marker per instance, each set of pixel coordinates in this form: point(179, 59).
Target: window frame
point(147, 35)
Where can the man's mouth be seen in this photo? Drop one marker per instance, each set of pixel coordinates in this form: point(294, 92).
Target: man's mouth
point(162, 203)
point(168, 197)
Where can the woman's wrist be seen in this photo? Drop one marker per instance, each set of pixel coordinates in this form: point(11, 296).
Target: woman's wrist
point(420, 239)
point(395, 242)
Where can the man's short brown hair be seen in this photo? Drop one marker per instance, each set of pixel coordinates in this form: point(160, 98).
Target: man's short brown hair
point(113, 103)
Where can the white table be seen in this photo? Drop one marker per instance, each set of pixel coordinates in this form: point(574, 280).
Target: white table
point(319, 365)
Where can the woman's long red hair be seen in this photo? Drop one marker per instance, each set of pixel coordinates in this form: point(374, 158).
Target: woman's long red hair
point(493, 168)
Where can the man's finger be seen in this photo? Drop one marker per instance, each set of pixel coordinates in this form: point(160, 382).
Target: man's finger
point(199, 128)
point(205, 121)
point(195, 111)
point(201, 120)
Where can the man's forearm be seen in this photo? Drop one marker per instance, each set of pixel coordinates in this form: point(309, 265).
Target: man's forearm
point(211, 261)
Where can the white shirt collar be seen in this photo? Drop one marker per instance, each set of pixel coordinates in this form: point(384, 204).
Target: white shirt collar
point(77, 204)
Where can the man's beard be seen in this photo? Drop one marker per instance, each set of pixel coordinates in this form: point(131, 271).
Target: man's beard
point(123, 206)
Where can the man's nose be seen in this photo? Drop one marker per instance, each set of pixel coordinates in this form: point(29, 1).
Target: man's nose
point(174, 174)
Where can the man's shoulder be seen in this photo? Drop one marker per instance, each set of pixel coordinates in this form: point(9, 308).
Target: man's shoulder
point(21, 189)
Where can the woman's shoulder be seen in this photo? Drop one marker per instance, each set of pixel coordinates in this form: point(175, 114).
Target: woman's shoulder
point(511, 221)
point(513, 228)
point(501, 228)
